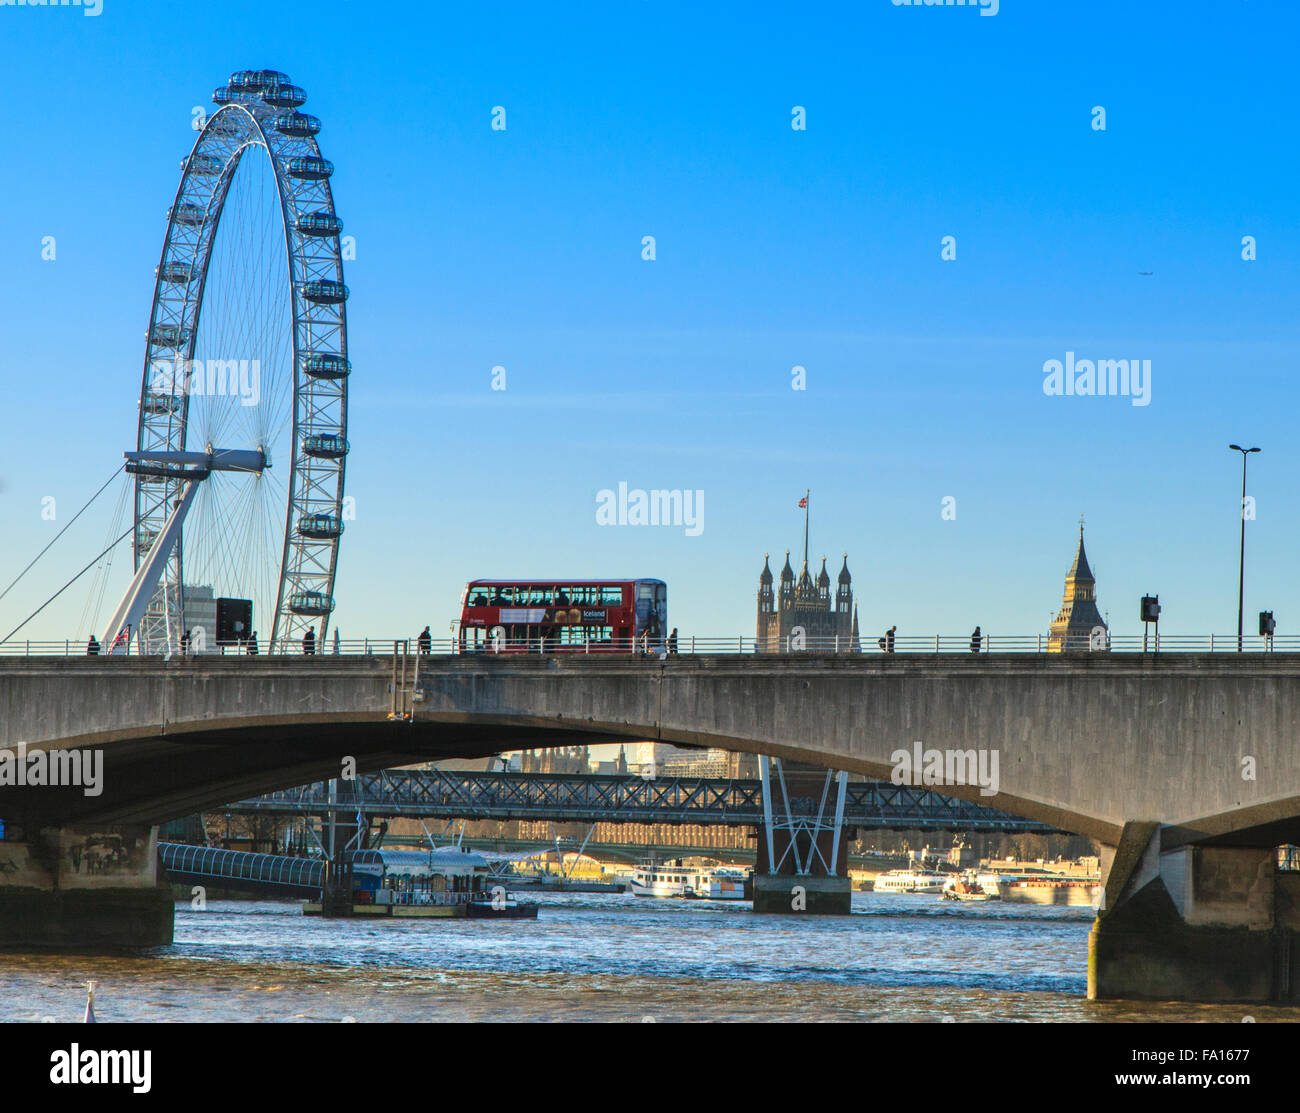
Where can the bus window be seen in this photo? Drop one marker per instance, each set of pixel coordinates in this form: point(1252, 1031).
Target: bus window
point(503, 596)
point(579, 635)
point(611, 595)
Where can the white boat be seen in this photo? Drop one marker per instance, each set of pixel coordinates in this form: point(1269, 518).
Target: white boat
point(992, 882)
point(968, 888)
point(649, 880)
point(722, 884)
point(663, 881)
point(910, 881)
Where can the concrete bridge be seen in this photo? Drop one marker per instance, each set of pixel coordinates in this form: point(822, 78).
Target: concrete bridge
point(1184, 766)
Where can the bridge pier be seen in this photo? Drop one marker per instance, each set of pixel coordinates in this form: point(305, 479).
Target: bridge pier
point(1194, 923)
point(802, 855)
point(73, 888)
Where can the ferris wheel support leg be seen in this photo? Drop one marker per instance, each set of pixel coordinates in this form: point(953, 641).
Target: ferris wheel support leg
point(126, 618)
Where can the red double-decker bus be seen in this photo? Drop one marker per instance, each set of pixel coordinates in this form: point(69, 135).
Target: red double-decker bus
point(564, 616)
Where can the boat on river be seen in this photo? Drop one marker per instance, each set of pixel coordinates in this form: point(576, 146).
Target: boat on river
point(418, 884)
point(910, 881)
point(967, 889)
point(691, 882)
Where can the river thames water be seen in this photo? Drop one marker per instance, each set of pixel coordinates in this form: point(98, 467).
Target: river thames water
point(605, 957)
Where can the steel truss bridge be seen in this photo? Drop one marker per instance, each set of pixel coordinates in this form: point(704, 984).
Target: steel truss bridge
point(595, 798)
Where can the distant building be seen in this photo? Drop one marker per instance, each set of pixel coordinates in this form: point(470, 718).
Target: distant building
point(963, 857)
point(615, 768)
point(561, 759)
point(828, 625)
point(662, 759)
point(1079, 625)
point(200, 613)
point(697, 763)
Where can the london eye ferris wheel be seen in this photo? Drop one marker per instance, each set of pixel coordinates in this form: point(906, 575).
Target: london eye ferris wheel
point(242, 438)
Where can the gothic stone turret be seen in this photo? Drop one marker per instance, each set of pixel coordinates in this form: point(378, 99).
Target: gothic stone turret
point(806, 605)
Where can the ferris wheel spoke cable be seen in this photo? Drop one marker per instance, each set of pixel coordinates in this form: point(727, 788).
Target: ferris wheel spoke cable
point(124, 534)
point(237, 531)
point(106, 565)
point(117, 472)
point(216, 552)
point(99, 584)
point(235, 548)
point(230, 550)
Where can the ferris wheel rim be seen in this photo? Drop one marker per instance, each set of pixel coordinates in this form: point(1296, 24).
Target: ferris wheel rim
point(317, 308)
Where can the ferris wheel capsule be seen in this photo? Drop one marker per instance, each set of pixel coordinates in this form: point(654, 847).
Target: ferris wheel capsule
point(175, 272)
point(283, 96)
point(169, 336)
point(311, 169)
point(204, 165)
point(325, 446)
point(299, 125)
point(319, 223)
point(325, 365)
point(159, 404)
point(189, 214)
point(325, 292)
point(254, 81)
point(320, 526)
point(315, 603)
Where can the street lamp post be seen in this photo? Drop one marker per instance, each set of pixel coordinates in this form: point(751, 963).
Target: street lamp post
point(1241, 570)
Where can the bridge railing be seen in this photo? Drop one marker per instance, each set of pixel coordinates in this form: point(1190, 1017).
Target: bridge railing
point(739, 644)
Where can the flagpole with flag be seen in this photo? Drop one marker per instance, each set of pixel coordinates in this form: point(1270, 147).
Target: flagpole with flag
point(803, 502)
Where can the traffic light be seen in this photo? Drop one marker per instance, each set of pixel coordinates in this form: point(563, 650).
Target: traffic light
point(1266, 624)
point(1151, 608)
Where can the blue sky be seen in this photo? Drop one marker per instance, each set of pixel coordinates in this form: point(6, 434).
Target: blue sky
point(819, 248)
